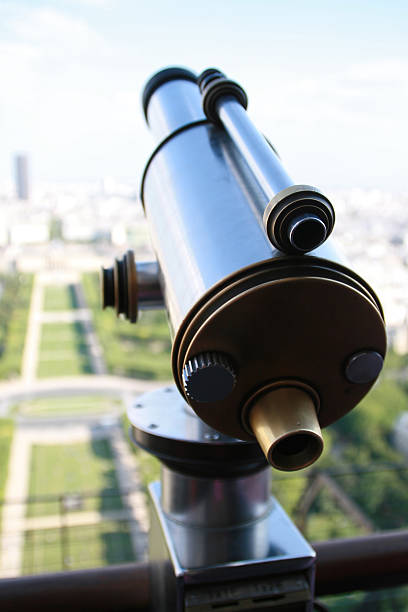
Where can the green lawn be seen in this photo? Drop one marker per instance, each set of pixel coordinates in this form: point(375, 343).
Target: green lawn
point(362, 440)
point(139, 351)
point(6, 437)
point(14, 309)
point(73, 468)
point(67, 405)
point(53, 550)
point(60, 297)
point(63, 351)
point(149, 466)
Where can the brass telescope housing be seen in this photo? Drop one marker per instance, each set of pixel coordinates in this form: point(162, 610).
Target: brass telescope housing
point(307, 326)
point(268, 345)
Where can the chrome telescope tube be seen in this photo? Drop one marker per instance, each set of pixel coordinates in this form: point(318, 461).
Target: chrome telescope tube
point(269, 343)
point(261, 158)
point(297, 218)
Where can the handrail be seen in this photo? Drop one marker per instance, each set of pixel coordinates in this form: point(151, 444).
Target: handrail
point(379, 560)
point(364, 563)
point(119, 588)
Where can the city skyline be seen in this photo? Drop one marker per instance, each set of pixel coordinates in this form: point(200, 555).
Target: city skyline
point(327, 83)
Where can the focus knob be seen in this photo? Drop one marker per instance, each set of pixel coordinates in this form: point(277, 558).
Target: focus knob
point(208, 377)
point(119, 287)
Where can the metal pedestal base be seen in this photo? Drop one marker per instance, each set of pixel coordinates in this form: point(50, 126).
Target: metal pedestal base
point(199, 569)
point(217, 540)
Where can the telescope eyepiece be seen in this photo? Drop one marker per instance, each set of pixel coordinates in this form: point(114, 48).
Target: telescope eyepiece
point(285, 424)
point(296, 451)
point(129, 287)
point(298, 219)
point(306, 232)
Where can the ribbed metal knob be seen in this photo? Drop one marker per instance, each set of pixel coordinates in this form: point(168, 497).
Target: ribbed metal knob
point(119, 287)
point(209, 377)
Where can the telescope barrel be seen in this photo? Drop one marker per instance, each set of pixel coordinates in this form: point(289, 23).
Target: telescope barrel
point(256, 150)
point(200, 219)
point(271, 340)
point(296, 218)
point(305, 230)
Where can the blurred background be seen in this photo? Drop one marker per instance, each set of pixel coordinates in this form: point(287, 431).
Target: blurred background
point(327, 84)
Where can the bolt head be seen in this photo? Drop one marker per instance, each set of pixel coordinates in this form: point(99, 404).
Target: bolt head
point(364, 367)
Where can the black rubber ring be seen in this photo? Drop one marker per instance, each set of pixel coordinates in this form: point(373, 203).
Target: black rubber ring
point(218, 88)
point(158, 79)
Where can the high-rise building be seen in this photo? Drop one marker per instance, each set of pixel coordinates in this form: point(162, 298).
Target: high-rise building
point(21, 169)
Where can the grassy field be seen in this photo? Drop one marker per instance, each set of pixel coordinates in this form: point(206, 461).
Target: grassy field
point(73, 468)
point(63, 351)
point(52, 550)
point(69, 405)
point(149, 466)
point(6, 437)
point(141, 350)
point(14, 309)
point(60, 297)
point(361, 458)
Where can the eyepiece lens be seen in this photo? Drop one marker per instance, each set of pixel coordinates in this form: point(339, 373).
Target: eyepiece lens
point(294, 444)
point(296, 451)
point(306, 232)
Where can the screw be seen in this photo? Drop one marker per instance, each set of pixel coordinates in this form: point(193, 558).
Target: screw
point(211, 436)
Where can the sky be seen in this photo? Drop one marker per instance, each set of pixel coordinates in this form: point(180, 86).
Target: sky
point(327, 82)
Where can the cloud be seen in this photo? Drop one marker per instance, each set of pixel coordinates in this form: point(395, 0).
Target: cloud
point(53, 33)
point(72, 95)
point(98, 3)
point(357, 94)
point(63, 93)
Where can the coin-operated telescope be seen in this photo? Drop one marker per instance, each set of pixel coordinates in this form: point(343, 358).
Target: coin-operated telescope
point(273, 339)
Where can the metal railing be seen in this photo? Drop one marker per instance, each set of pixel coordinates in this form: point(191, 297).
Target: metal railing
point(371, 562)
point(78, 532)
point(73, 531)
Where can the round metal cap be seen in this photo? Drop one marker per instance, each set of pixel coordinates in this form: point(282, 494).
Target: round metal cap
point(208, 377)
point(306, 232)
point(364, 367)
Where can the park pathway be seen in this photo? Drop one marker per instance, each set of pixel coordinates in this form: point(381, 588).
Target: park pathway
point(29, 431)
point(37, 317)
point(14, 510)
point(15, 521)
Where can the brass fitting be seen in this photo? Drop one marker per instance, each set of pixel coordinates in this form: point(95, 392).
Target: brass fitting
point(285, 424)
